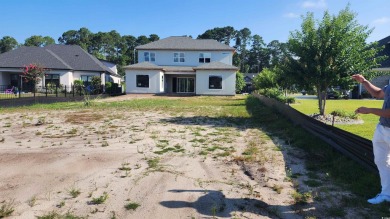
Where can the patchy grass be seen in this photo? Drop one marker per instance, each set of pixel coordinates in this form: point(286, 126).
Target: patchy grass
point(153, 162)
point(56, 215)
point(6, 208)
point(132, 206)
point(99, 200)
point(74, 192)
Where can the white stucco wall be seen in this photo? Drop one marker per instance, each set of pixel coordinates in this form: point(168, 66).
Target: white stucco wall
point(154, 81)
point(228, 82)
point(191, 57)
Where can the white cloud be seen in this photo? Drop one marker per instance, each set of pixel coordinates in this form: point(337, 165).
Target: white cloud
point(319, 4)
point(291, 15)
point(382, 20)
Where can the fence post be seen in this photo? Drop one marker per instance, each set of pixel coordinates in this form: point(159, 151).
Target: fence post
point(56, 90)
point(34, 90)
point(65, 91)
point(72, 87)
point(20, 92)
point(46, 90)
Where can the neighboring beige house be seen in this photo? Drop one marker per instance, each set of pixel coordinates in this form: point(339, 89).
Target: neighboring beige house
point(66, 63)
point(183, 65)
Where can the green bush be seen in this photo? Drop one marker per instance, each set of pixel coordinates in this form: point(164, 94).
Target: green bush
point(277, 94)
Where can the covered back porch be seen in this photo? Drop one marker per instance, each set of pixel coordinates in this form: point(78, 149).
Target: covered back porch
point(180, 83)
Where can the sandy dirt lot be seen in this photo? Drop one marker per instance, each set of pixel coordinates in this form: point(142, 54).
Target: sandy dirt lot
point(93, 163)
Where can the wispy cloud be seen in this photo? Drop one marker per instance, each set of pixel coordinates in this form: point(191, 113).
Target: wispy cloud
point(291, 15)
point(382, 20)
point(319, 4)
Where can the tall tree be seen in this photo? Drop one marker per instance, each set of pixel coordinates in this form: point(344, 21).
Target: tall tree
point(39, 41)
point(220, 34)
point(153, 37)
point(142, 40)
point(8, 43)
point(243, 40)
point(81, 37)
point(276, 51)
point(325, 53)
point(258, 55)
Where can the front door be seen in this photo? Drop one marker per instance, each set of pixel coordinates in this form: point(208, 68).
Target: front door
point(185, 85)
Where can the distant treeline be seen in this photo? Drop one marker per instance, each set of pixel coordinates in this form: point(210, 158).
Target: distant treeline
point(252, 53)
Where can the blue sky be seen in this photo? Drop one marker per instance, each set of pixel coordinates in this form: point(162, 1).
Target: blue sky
point(271, 19)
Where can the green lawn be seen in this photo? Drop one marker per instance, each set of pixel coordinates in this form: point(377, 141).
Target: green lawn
point(366, 130)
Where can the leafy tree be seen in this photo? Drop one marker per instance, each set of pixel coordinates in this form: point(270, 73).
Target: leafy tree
point(240, 82)
point(39, 41)
point(326, 53)
point(266, 79)
point(8, 43)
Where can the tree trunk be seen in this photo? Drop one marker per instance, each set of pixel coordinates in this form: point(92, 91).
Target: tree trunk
point(321, 101)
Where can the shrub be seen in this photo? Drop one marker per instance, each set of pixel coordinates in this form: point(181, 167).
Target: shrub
point(342, 113)
point(108, 87)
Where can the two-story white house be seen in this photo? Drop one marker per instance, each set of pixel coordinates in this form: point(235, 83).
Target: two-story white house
point(183, 65)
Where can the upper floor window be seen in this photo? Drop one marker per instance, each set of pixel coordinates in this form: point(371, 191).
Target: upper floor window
point(150, 56)
point(204, 57)
point(179, 57)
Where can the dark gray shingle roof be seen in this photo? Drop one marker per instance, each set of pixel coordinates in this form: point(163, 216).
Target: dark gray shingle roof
point(69, 57)
point(186, 43)
point(23, 56)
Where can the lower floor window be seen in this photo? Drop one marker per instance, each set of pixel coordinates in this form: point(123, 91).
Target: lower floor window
point(142, 81)
point(52, 80)
point(215, 82)
point(87, 79)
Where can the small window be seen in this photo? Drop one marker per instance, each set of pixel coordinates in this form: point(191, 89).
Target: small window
point(204, 57)
point(150, 56)
point(178, 57)
point(215, 82)
point(142, 80)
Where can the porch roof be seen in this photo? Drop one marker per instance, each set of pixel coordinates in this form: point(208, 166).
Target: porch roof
point(216, 66)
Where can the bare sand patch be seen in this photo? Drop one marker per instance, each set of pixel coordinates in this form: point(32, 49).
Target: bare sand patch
point(171, 167)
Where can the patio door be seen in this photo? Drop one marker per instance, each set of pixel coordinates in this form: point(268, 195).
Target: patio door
point(185, 85)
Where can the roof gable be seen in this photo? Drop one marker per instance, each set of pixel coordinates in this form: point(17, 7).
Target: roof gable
point(186, 43)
